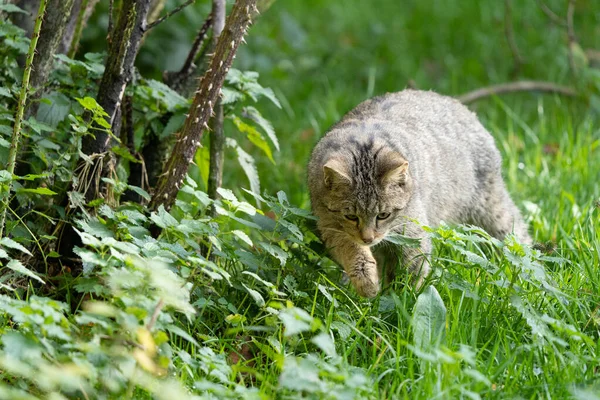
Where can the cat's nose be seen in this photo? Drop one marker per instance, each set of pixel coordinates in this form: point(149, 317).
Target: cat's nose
point(367, 238)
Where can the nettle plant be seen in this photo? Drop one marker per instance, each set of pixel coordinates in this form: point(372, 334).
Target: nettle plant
point(150, 308)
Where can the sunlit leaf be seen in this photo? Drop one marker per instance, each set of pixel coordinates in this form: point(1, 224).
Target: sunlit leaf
point(429, 319)
point(17, 266)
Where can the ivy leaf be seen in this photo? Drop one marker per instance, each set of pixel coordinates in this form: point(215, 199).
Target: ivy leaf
point(17, 266)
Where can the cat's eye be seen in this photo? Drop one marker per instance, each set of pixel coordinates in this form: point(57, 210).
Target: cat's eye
point(383, 215)
point(351, 217)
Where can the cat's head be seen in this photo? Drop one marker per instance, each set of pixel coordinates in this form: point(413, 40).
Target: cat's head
point(366, 194)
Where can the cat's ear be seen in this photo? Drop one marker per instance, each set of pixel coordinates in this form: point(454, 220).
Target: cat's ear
point(393, 169)
point(335, 173)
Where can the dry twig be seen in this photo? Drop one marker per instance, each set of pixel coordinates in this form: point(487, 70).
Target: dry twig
point(571, 35)
point(169, 15)
point(520, 86)
point(551, 14)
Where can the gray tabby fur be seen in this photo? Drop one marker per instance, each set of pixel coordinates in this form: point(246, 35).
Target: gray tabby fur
point(419, 156)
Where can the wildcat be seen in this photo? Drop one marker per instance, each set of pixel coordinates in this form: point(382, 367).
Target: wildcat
point(397, 162)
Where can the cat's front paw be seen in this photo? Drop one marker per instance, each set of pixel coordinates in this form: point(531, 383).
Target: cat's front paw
point(364, 278)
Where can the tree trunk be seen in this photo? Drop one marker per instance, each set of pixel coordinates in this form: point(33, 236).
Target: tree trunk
point(80, 13)
point(122, 52)
point(53, 27)
point(217, 136)
point(206, 97)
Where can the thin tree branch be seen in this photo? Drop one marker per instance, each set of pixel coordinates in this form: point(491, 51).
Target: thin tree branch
point(110, 17)
point(179, 80)
point(510, 36)
point(217, 136)
point(169, 15)
point(571, 36)
point(512, 87)
point(551, 14)
point(85, 11)
point(155, 314)
point(156, 8)
point(206, 97)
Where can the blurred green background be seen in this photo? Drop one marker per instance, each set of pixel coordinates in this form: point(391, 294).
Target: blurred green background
point(324, 57)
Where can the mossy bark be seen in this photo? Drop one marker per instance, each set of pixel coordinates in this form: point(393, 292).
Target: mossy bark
point(217, 135)
point(123, 48)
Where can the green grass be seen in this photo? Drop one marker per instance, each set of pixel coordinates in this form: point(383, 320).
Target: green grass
point(519, 323)
point(322, 58)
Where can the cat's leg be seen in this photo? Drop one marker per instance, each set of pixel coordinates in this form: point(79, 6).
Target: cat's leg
point(416, 262)
point(357, 261)
point(388, 257)
point(499, 215)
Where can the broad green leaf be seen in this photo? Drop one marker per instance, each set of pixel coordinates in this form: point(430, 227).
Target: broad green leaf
point(202, 160)
point(11, 8)
point(254, 136)
point(292, 228)
point(17, 266)
point(275, 251)
point(243, 236)
point(139, 191)
point(248, 165)
point(402, 240)
point(227, 194)
point(259, 279)
point(429, 319)
point(258, 299)
point(124, 153)
point(230, 95)
point(89, 103)
point(170, 98)
point(295, 320)
point(41, 191)
point(8, 242)
point(325, 343)
point(5, 176)
point(162, 218)
point(5, 92)
point(253, 114)
point(55, 111)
